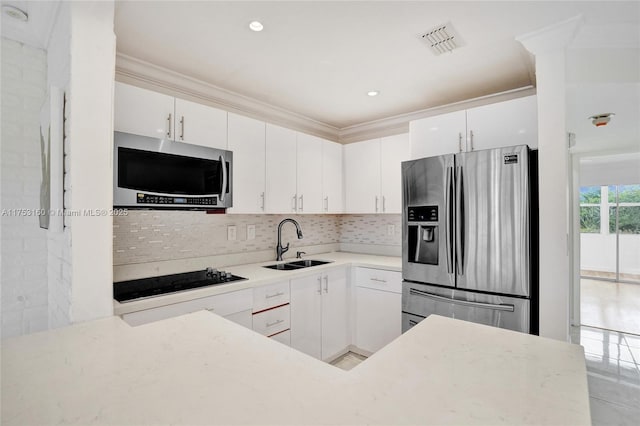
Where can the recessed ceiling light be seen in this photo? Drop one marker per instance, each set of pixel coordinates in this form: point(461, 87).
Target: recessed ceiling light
point(15, 13)
point(256, 26)
point(373, 93)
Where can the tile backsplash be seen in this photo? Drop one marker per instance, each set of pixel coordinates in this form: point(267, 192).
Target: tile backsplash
point(151, 236)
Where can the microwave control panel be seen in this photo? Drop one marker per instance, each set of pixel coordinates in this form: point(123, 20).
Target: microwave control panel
point(164, 199)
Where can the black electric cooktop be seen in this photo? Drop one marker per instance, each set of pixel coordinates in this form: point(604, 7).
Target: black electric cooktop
point(126, 291)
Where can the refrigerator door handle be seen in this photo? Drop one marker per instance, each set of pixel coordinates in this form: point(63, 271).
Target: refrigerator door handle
point(448, 223)
point(459, 222)
point(495, 307)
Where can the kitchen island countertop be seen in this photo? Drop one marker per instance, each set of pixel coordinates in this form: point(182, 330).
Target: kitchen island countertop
point(202, 369)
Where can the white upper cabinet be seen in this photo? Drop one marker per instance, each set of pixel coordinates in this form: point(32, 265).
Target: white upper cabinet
point(200, 124)
point(309, 174)
point(438, 135)
point(281, 160)
point(373, 174)
point(332, 195)
point(393, 151)
point(147, 113)
point(247, 141)
point(143, 112)
point(509, 123)
point(362, 176)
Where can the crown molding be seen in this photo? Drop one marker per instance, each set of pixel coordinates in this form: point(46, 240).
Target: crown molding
point(149, 76)
point(146, 75)
point(400, 123)
point(553, 37)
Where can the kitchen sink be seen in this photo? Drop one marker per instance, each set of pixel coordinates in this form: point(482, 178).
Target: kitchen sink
point(283, 267)
point(308, 262)
point(298, 264)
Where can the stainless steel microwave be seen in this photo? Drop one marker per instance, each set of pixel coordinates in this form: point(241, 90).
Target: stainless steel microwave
point(152, 173)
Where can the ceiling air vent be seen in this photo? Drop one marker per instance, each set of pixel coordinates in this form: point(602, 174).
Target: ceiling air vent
point(442, 39)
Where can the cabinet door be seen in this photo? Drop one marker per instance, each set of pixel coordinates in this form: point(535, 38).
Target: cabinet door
point(244, 318)
point(393, 151)
point(200, 124)
point(306, 315)
point(143, 112)
point(332, 194)
point(309, 173)
point(378, 318)
point(362, 177)
point(280, 170)
point(247, 141)
point(438, 135)
point(509, 123)
point(335, 313)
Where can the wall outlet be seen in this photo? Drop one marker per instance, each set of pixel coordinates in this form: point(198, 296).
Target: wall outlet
point(231, 233)
point(391, 229)
point(251, 232)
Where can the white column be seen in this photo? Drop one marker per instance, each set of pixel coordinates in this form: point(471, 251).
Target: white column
point(548, 45)
point(92, 72)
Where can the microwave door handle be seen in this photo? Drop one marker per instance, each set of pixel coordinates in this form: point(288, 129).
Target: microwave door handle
point(224, 178)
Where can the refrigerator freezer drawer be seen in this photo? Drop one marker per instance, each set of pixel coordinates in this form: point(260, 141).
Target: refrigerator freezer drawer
point(409, 320)
point(499, 311)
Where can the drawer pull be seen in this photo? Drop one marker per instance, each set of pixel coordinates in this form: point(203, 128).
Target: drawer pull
point(378, 280)
point(269, 296)
point(271, 324)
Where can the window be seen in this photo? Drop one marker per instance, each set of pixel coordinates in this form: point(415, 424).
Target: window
point(590, 200)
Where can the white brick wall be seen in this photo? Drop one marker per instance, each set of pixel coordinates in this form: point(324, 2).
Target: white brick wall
point(24, 289)
point(59, 244)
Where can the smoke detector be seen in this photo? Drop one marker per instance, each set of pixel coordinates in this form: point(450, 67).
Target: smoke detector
point(442, 39)
point(601, 119)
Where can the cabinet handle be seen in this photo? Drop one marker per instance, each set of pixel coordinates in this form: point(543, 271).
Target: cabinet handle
point(326, 203)
point(262, 205)
point(378, 280)
point(302, 203)
point(384, 204)
point(294, 206)
point(169, 127)
point(471, 137)
point(271, 324)
point(319, 285)
point(182, 128)
point(460, 142)
point(326, 284)
point(376, 204)
point(269, 296)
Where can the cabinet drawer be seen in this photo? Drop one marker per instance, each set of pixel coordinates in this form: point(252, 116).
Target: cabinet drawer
point(222, 304)
point(270, 295)
point(284, 337)
point(379, 279)
point(272, 321)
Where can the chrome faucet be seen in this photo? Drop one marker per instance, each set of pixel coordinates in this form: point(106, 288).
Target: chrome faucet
point(282, 250)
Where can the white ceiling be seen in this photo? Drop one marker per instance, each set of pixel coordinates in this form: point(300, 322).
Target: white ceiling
point(320, 58)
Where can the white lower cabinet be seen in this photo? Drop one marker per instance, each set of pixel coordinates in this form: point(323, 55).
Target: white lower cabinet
point(271, 311)
point(226, 305)
point(320, 314)
point(378, 304)
point(244, 318)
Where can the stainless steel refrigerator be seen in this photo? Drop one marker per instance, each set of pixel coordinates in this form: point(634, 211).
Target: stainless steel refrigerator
point(469, 238)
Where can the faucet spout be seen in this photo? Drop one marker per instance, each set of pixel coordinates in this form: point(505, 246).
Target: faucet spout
point(282, 250)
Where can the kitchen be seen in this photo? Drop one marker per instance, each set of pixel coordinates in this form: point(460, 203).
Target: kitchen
point(100, 251)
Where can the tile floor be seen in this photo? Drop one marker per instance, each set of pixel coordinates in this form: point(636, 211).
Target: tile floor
point(348, 361)
point(610, 305)
point(613, 374)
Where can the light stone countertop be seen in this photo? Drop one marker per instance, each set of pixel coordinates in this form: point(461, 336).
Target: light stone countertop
point(257, 275)
point(203, 369)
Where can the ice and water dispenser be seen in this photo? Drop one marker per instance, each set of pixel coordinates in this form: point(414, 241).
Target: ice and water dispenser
point(423, 234)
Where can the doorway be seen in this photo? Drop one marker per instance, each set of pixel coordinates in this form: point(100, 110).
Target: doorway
point(610, 256)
